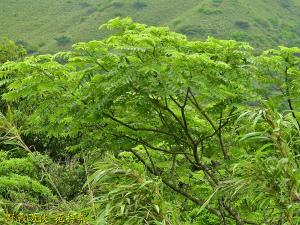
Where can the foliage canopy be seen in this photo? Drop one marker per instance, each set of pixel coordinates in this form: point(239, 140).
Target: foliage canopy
point(170, 131)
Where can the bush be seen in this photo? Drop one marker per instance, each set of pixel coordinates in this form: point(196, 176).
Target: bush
point(191, 30)
point(29, 48)
point(10, 51)
point(63, 40)
point(274, 21)
point(117, 4)
point(84, 4)
point(242, 24)
point(69, 178)
point(21, 180)
point(240, 35)
point(285, 3)
point(217, 2)
point(90, 11)
point(261, 22)
point(139, 5)
point(176, 22)
point(209, 11)
point(42, 44)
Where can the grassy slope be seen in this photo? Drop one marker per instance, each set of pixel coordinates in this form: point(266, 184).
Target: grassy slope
point(262, 22)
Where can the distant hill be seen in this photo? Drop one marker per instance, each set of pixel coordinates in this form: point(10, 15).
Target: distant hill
point(51, 25)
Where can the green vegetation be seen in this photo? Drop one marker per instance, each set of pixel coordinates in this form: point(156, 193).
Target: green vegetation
point(148, 127)
point(9, 51)
point(41, 24)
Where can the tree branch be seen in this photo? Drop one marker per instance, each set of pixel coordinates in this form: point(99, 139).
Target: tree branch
point(221, 141)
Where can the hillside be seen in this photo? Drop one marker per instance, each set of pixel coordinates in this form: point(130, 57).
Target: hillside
point(53, 25)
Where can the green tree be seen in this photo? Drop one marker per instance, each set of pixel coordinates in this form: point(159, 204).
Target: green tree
point(188, 115)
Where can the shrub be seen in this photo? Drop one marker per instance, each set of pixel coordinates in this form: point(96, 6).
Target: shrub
point(217, 2)
point(176, 22)
point(139, 5)
point(117, 4)
point(209, 11)
point(21, 180)
point(242, 24)
point(10, 51)
point(285, 3)
point(13, 186)
point(191, 30)
point(274, 21)
point(262, 22)
point(63, 40)
point(84, 4)
point(69, 178)
point(82, 19)
point(90, 11)
point(31, 49)
point(42, 44)
point(240, 35)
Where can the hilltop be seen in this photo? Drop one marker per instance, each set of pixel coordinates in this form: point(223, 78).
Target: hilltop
point(48, 26)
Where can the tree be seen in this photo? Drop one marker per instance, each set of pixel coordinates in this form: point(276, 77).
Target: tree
point(189, 112)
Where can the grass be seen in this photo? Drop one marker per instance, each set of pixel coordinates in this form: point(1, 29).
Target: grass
point(41, 24)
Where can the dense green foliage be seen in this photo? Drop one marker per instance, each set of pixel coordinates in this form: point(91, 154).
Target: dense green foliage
point(147, 127)
point(49, 26)
point(9, 51)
